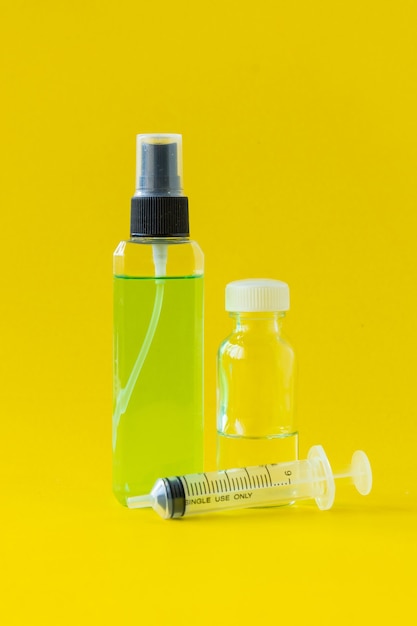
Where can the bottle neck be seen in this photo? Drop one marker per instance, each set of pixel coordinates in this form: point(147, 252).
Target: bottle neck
point(263, 321)
point(159, 240)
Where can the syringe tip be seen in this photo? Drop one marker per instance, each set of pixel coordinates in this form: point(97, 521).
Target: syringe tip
point(361, 472)
point(140, 502)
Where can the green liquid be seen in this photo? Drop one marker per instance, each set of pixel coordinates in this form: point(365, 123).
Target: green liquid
point(161, 431)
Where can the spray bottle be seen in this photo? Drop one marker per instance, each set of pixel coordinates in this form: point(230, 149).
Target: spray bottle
point(158, 328)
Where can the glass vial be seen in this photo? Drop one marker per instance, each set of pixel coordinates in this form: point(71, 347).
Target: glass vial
point(255, 378)
point(158, 329)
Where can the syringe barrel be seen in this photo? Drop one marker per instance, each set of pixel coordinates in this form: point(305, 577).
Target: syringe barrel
point(258, 486)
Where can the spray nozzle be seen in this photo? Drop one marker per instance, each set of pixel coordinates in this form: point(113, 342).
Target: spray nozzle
point(159, 165)
point(159, 207)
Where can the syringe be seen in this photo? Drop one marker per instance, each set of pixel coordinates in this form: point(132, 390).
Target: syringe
point(258, 486)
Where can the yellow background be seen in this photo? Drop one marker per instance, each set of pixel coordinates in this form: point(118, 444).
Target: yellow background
point(299, 129)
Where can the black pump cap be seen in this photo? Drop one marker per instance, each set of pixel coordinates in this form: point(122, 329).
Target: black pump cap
point(159, 216)
point(159, 208)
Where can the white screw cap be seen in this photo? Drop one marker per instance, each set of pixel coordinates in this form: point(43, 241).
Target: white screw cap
point(257, 294)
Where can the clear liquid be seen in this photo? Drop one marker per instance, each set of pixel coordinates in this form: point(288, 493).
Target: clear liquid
point(161, 431)
point(255, 409)
point(235, 451)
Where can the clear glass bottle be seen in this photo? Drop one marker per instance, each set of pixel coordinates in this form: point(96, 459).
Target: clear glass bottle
point(255, 378)
point(158, 329)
